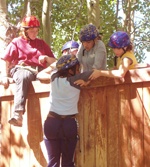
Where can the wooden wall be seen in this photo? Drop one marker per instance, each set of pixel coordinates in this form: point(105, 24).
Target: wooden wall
point(114, 124)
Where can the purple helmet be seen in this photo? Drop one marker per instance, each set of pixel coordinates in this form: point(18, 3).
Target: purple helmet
point(88, 32)
point(66, 62)
point(119, 39)
point(70, 45)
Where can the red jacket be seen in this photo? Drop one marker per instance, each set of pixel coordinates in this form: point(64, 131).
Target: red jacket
point(21, 50)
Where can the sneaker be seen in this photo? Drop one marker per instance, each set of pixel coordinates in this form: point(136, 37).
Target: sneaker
point(15, 122)
point(17, 119)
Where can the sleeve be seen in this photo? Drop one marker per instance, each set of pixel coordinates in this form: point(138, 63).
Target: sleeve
point(84, 76)
point(80, 53)
point(100, 56)
point(11, 52)
point(48, 50)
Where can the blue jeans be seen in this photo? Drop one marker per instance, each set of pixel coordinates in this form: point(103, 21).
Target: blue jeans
point(23, 79)
point(60, 137)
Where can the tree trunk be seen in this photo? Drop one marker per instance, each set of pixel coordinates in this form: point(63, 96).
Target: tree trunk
point(129, 18)
point(8, 31)
point(3, 25)
point(46, 21)
point(24, 11)
point(93, 12)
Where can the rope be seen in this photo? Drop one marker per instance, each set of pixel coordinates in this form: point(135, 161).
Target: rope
point(77, 15)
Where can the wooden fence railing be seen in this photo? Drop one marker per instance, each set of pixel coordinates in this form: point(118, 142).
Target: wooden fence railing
point(114, 124)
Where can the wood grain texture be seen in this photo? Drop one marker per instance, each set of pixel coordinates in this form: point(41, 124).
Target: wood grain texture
point(114, 124)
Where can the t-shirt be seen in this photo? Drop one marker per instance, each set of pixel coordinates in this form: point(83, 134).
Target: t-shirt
point(64, 94)
point(95, 58)
point(130, 55)
point(21, 50)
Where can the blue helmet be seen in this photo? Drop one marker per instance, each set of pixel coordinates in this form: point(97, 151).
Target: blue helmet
point(66, 62)
point(70, 45)
point(119, 39)
point(88, 32)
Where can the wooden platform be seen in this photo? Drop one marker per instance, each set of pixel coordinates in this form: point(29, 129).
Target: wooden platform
point(114, 124)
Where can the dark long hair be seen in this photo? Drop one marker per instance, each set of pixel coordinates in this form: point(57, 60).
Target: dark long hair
point(65, 73)
point(129, 47)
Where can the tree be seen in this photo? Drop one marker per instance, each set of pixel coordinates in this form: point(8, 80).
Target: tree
point(62, 20)
point(93, 12)
point(8, 30)
point(47, 7)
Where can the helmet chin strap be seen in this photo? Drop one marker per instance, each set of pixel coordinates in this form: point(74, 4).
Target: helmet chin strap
point(124, 50)
point(26, 34)
point(94, 42)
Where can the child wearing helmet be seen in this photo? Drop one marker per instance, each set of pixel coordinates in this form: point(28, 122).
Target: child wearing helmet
point(92, 51)
point(70, 47)
point(21, 62)
point(60, 126)
point(122, 48)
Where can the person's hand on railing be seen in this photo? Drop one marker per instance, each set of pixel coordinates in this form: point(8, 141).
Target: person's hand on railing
point(4, 81)
point(142, 65)
point(82, 83)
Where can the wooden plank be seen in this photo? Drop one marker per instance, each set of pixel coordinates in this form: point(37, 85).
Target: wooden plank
point(88, 133)
point(132, 76)
point(36, 87)
point(112, 127)
point(89, 127)
point(5, 134)
point(24, 149)
point(16, 149)
point(114, 124)
point(35, 131)
point(137, 128)
point(79, 155)
point(124, 158)
point(100, 127)
point(145, 99)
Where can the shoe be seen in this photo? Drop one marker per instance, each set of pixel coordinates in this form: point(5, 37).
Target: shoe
point(15, 122)
point(17, 119)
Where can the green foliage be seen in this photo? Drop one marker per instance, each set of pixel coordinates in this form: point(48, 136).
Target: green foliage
point(14, 10)
point(142, 29)
point(67, 17)
point(108, 22)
